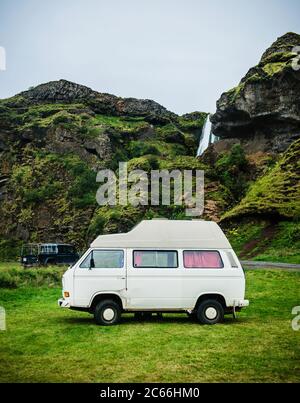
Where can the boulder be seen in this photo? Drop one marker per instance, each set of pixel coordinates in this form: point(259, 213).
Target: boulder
point(264, 108)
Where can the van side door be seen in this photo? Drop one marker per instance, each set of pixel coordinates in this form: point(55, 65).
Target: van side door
point(101, 271)
point(153, 280)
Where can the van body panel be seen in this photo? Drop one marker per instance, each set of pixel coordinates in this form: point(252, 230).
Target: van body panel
point(143, 288)
point(93, 281)
point(157, 289)
point(154, 289)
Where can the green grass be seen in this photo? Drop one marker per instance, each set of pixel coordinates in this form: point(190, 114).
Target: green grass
point(266, 241)
point(44, 343)
point(128, 125)
point(13, 275)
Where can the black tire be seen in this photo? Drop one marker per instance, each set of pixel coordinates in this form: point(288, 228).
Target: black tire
point(210, 312)
point(107, 313)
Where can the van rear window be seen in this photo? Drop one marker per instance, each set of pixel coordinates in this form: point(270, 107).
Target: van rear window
point(202, 260)
point(155, 259)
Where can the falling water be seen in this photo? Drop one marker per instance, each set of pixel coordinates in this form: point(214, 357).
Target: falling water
point(206, 138)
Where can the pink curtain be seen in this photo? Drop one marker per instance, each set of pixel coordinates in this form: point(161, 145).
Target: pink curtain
point(210, 260)
point(137, 259)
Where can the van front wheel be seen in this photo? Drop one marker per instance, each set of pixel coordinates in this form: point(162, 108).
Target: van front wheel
point(107, 313)
point(210, 312)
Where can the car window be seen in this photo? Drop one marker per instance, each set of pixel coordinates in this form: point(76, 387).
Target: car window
point(48, 249)
point(202, 260)
point(155, 259)
point(104, 259)
point(65, 249)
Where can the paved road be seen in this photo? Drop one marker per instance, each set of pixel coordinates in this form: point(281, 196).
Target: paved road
point(248, 264)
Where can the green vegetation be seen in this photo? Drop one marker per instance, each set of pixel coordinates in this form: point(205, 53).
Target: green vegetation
point(42, 180)
point(274, 68)
point(52, 172)
point(12, 275)
point(53, 157)
point(122, 124)
point(274, 64)
point(279, 57)
point(235, 92)
point(264, 225)
point(264, 240)
point(47, 115)
point(160, 148)
point(192, 121)
point(232, 170)
point(44, 343)
point(277, 193)
point(140, 148)
point(9, 249)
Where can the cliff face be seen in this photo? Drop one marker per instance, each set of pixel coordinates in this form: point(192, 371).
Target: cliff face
point(53, 140)
point(56, 136)
point(263, 111)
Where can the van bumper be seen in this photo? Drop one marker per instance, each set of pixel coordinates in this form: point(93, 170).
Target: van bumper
point(62, 303)
point(241, 303)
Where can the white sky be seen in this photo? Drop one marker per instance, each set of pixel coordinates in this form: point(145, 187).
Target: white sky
point(180, 53)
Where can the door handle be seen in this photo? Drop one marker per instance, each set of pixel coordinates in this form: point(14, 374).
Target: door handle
point(121, 278)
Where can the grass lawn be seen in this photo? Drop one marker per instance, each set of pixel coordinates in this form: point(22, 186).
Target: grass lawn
point(44, 343)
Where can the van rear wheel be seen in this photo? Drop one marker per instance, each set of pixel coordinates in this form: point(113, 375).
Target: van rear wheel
point(107, 313)
point(210, 312)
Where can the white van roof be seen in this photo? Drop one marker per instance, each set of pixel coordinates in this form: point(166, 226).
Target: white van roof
point(167, 234)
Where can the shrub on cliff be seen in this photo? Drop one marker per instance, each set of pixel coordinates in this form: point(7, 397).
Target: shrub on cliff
point(232, 171)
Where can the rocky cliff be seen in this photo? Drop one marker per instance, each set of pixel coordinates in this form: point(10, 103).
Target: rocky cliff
point(66, 92)
point(56, 136)
point(53, 140)
point(263, 111)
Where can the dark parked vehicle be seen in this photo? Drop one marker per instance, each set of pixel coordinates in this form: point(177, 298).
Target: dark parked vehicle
point(48, 253)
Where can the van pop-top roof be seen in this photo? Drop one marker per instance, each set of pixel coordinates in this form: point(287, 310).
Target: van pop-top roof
point(167, 234)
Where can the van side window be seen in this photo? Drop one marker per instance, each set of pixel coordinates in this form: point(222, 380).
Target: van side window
point(202, 260)
point(155, 259)
point(104, 259)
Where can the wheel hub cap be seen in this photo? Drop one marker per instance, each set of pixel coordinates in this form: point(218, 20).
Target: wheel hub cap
point(211, 313)
point(108, 314)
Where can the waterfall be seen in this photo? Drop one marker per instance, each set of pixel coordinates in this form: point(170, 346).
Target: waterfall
point(206, 138)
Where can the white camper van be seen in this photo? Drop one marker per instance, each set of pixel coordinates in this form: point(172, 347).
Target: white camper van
point(159, 266)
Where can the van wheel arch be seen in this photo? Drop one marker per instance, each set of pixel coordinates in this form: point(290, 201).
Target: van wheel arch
point(216, 297)
point(101, 297)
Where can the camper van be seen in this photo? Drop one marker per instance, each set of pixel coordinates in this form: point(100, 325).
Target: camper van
point(159, 266)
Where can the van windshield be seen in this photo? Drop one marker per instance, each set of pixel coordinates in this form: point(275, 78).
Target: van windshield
point(104, 259)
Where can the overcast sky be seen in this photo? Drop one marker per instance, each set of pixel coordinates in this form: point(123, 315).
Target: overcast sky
point(181, 53)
